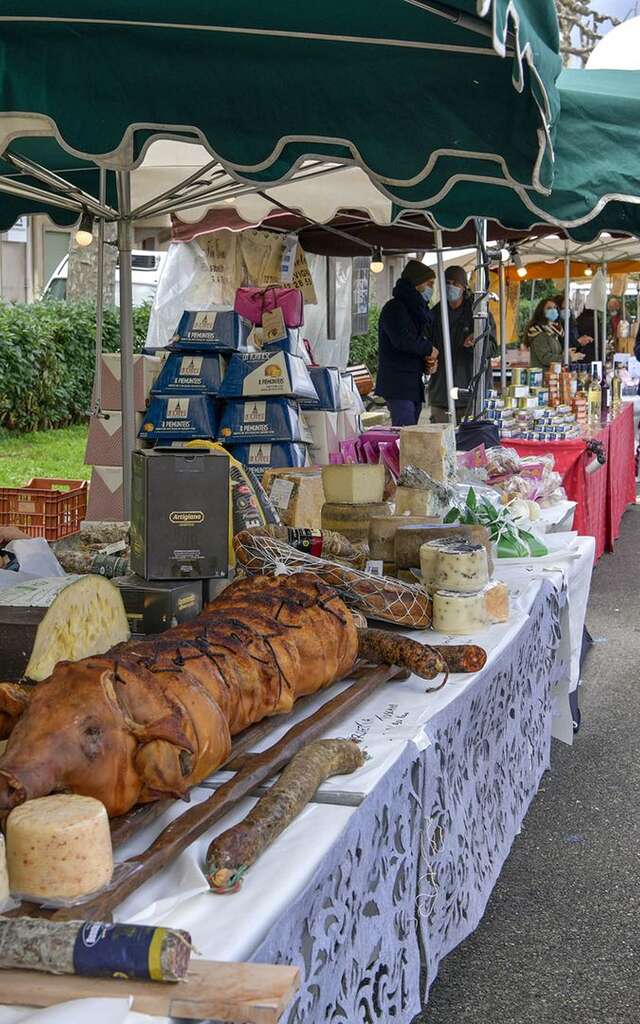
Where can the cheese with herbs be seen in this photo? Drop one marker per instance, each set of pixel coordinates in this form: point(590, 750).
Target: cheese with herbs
point(461, 567)
point(458, 614)
point(58, 847)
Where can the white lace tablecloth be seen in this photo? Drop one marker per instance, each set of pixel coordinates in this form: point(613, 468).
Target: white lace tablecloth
point(415, 741)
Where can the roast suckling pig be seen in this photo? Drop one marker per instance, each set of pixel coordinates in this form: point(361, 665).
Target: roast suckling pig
point(154, 717)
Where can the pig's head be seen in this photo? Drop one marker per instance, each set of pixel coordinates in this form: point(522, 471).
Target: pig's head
point(72, 737)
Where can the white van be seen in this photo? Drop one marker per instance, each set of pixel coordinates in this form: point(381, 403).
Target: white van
point(146, 266)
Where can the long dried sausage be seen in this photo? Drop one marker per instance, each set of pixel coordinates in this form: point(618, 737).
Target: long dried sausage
point(232, 853)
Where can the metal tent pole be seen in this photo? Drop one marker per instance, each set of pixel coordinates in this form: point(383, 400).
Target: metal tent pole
point(481, 316)
point(502, 278)
point(603, 339)
point(97, 386)
point(567, 308)
point(446, 337)
point(125, 246)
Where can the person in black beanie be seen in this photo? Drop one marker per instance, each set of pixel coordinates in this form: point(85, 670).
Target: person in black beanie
point(405, 351)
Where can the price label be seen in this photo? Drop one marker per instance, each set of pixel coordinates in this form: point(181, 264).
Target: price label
point(374, 568)
point(281, 491)
point(273, 327)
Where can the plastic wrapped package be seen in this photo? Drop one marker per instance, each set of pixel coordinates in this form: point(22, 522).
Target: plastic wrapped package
point(501, 461)
point(184, 284)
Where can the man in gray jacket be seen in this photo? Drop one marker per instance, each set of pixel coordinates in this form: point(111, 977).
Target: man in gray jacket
point(460, 312)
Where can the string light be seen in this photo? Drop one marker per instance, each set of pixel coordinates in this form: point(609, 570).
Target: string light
point(377, 262)
point(84, 234)
point(588, 272)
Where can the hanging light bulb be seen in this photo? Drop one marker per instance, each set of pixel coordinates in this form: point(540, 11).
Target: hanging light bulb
point(521, 270)
point(84, 234)
point(377, 262)
point(588, 272)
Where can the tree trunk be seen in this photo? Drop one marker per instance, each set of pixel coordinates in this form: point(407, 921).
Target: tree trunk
point(82, 278)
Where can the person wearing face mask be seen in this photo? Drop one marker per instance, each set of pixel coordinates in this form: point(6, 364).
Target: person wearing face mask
point(405, 351)
point(461, 331)
point(544, 334)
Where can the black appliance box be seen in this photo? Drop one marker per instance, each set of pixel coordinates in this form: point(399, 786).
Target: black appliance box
point(153, 606)
point(180, 514)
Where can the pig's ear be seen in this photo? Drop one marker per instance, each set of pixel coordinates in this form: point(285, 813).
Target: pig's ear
point(168, 728)
point(164, 770)
point(14, 701)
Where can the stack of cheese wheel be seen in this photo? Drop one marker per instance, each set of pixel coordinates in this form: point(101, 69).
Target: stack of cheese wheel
point(456, 574)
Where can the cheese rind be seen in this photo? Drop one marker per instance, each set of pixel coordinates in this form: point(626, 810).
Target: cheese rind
point(4, 874)
point(496, 601)
point(353, 484)
point(418, 502)
point(302, 507)
point(382, 533)
point(352, 521)
point(58, 847)
point(432, 448)
point(458, 614)
point(409, 540)
point(461, 567)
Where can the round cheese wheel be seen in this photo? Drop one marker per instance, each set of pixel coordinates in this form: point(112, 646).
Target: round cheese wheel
point(458, 614)
point(59, 847)
point(461, 567)
point(429, 556)
point(352, 521)
point(4, 875)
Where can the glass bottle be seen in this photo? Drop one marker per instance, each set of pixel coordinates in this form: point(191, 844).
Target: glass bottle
point(616, 391)
point(594, 398)
point(604, 394)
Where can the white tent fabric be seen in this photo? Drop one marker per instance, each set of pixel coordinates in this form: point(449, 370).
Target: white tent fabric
point(331, 188)
point(619, 50)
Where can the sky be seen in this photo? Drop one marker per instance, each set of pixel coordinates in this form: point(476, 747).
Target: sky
point(618, 7)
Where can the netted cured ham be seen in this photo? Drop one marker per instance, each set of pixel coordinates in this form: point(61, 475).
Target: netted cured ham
point(157, 716)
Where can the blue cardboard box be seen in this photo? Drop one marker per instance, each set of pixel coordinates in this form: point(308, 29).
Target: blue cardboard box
point(212, 331)
point(263, 455)
point(191, 373)
point(265, 419)
point(180, 418)
point(326, 381)
point(267, 375)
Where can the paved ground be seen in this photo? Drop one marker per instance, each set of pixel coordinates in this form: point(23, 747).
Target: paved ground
point(560, 941)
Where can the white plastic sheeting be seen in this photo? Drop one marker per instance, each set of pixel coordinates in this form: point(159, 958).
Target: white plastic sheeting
point(184, 284)
point(330, 351)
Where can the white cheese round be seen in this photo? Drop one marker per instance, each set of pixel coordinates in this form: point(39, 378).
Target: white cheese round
point(461, 567)
point(429, 555)
point(458, 614)
point(59, 847)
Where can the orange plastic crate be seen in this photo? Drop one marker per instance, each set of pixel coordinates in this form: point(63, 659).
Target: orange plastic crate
point(45, 508)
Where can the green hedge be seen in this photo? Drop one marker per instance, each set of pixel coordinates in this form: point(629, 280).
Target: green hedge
point(364, 347)
point(47, 360)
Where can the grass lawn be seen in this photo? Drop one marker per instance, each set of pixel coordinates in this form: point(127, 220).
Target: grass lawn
point(48, 453)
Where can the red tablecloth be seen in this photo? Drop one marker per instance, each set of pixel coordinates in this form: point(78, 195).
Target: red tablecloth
point(602, 493)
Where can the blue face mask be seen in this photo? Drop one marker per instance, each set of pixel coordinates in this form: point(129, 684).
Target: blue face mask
point(427, 294)
point(454, 292)
point(551, 313)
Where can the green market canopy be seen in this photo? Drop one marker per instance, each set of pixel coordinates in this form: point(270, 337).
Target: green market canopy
point(596, 183)
point(412, 91)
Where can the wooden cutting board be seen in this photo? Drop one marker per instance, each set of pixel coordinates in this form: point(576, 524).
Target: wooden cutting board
point(242, 993)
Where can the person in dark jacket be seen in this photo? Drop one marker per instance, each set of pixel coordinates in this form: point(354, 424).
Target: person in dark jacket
point(461, 331)
point(404, 348)
point(586, 329)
